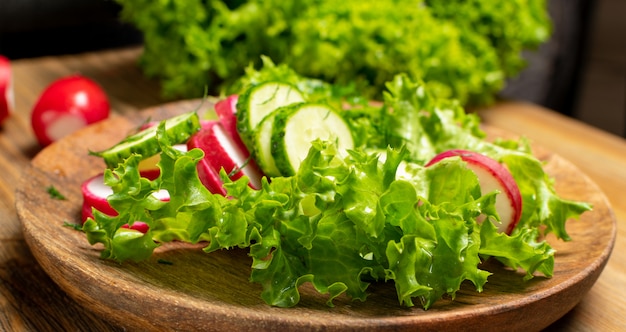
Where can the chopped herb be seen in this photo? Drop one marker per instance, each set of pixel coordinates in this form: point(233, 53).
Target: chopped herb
point(75, 226)
point(163, 261)
point(55, 194)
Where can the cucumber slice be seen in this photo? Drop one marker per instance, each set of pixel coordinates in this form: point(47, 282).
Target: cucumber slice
point(262, 151)
point(296, 126)
point(178, 129)
point(258, 102)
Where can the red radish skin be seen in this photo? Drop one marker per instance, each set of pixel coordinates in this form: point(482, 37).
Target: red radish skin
point(492, 176)
point(210, 178)
point(95, 194)
point(66, 105)
point(226, 110)
point(7, 103)
point(139, 226)
point(220, 151)
point(162, 194)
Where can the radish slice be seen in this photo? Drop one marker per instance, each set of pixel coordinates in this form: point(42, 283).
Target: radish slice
point(7, 101)
point(162, 194)
point(492, 176)
point(226, 110)
point(220, 151)
point(67, 105)
point(138, 226)
point(95, 193)
point(240, 158)
point(209, 177)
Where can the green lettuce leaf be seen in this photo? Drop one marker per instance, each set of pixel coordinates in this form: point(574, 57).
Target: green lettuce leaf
point(463, 49)
point(339, 224)
point(343, 223)
point(427, 126)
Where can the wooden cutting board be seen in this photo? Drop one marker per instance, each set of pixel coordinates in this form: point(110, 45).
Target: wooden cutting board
point(199, 291)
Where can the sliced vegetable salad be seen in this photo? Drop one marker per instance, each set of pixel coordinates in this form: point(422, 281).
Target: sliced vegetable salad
point(340, 212)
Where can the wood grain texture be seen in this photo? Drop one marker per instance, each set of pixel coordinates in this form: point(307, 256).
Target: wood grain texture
point(602, 157)
point(31, 301)
point(212, 291)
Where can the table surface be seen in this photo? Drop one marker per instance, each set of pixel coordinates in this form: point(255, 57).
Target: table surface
point(30, 300)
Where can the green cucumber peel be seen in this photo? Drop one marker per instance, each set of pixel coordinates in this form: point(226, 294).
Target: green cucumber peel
point(144, 143)
point(296, 126)
point(259, 101)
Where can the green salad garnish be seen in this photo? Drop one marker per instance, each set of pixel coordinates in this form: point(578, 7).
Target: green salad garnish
point(342, 223)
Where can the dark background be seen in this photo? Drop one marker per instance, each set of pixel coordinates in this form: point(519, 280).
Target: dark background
point(580, 72)
point(32, 28)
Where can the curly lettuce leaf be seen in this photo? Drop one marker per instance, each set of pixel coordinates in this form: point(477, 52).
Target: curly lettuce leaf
point(518, 251)
point(463, 49)
point(343, 223)
point(438, 250)
point(427, 126)
point(511, 26)
point(339, 224)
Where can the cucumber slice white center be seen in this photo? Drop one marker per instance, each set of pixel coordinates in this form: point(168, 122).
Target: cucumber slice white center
point(269, 97)
point(303, 124)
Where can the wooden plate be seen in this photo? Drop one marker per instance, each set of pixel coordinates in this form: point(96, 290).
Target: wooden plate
point(200, 291)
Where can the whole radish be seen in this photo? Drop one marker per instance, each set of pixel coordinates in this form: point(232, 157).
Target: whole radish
point(67, 105)
point(6, 89)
